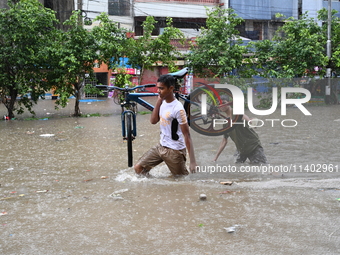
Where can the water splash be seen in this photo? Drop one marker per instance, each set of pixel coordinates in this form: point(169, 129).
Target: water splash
point(128, 174)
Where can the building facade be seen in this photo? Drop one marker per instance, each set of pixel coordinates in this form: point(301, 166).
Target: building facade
point(260, 19)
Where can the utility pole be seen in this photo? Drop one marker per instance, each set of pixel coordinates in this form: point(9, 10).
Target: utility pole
point(329, 51)
point(329, 27)
point(80, 7)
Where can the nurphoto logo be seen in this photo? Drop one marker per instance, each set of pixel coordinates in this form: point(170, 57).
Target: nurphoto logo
point(238, 106)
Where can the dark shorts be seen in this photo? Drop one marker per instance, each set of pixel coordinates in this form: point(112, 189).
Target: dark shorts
point(256, 157)
point(174, 159)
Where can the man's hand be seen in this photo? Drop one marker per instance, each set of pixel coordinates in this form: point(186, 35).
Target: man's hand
point(155, 113)
point(193, 167)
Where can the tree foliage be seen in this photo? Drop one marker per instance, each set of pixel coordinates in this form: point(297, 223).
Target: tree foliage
point(146, 51)
point(75, 57)
point(218, 49)
point(112, 41)
point(27, 34)
point(80, 49)
point(297, 48)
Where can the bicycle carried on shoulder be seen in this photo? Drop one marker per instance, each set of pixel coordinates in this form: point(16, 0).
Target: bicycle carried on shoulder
point(201, 123)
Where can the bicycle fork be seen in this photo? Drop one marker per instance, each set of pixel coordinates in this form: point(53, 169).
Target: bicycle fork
point(124, 116)
point(129, 132)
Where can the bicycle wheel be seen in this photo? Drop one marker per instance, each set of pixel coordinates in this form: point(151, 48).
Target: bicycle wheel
point(129, 138)
point(117, 97)
point(215, 122)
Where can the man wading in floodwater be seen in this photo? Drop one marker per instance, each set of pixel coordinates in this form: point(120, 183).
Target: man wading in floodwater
point(245, 138)
point(175, 137)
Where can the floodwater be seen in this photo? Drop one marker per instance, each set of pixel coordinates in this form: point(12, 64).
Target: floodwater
point(66, 189)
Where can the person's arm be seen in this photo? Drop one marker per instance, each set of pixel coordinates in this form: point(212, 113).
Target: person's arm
point(155, 113)
point(252, 122)
point(222, 146)
point(189, 145)
point(246, 118)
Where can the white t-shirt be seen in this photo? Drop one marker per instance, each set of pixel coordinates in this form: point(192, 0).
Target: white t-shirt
point(168, 112)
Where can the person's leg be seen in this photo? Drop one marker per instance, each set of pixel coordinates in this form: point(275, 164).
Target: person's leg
point(139, 169)
point(240, 158)
point(175, 160)
point(149, 159)
point(258, 156)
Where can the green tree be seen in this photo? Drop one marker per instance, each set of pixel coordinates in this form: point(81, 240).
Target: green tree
point(111, 39)
point(27, 33)
point(296, 49)
point(78, 52)
point(73, 59)
point(113, 45)
point(147, 51)
point(218, 49)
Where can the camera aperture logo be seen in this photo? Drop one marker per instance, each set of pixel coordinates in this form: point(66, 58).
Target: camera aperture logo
point(238, 106)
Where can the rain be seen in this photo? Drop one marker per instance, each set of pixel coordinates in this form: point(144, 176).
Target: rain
point(66, 188)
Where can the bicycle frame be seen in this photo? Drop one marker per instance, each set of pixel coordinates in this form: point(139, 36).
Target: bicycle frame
point(135, 97)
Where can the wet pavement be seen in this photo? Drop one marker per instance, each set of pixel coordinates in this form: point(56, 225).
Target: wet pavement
point(66, 189)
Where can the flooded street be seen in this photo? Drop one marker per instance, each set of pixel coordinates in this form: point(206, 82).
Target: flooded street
point(66, 188)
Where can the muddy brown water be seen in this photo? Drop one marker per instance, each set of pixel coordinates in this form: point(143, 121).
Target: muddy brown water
point(66, 189)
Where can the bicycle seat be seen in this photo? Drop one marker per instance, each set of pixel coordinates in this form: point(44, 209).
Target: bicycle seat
point(180, 74)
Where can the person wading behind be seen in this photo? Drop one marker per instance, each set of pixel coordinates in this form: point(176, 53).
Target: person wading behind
point(245, 138)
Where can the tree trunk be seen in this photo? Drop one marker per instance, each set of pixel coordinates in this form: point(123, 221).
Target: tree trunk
point(141, 76)
point(11, 103)
point(77, 112)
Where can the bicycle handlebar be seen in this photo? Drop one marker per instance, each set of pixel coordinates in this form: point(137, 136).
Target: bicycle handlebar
point(149, 85)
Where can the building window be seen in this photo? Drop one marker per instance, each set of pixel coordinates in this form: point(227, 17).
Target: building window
point(119, 7)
